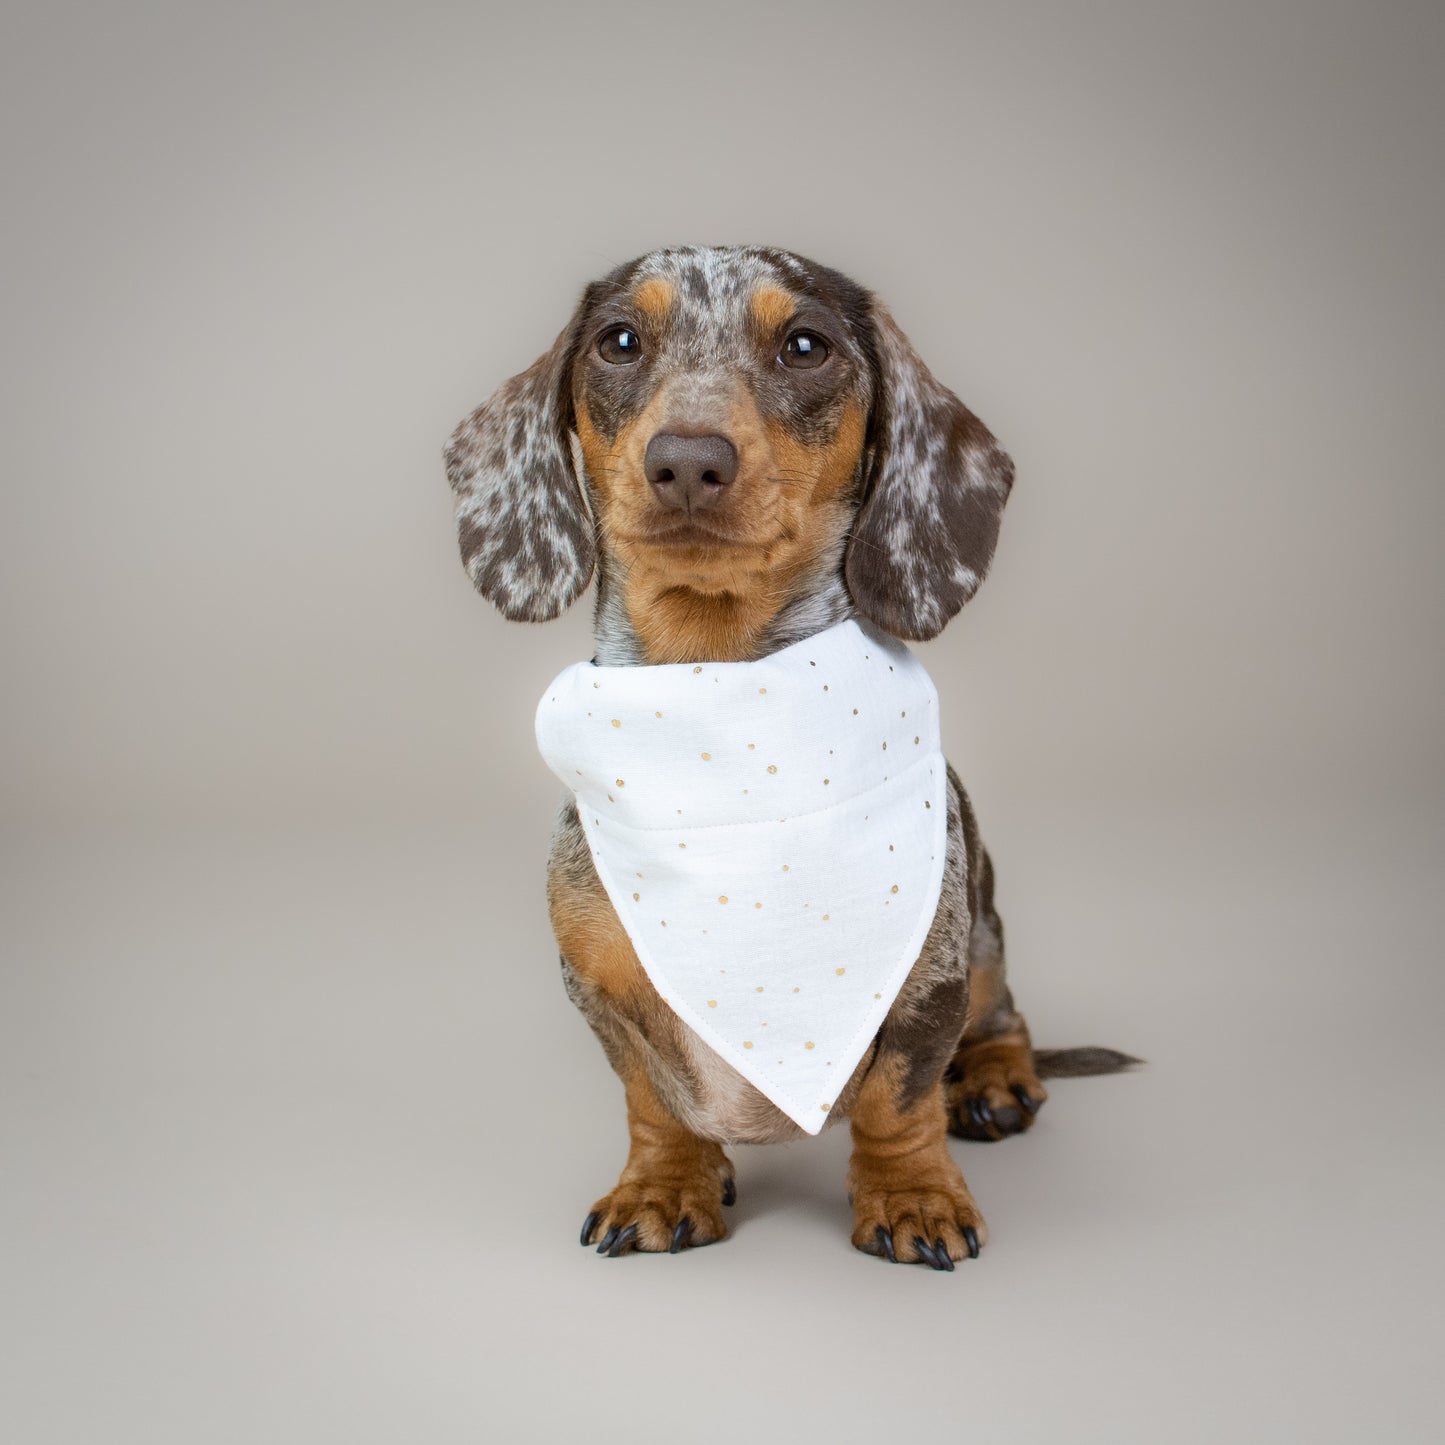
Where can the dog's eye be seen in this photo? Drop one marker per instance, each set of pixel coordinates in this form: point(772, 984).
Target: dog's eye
point(621, 346)
point(804, 350)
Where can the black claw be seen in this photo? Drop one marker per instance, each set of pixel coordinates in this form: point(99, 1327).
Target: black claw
point(684, 1225)
point(970, 1237)
point(885, 1244)
point(928, 1255)
point(624, 1242)
point(985, 1114)
point(1026, 1099)
point(941, 1250)
point(588, 1225)
point(730, 1192)
point(607, 1239)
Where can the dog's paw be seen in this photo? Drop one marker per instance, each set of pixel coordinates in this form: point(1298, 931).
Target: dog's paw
point(660, 1215)
point(929, 1221)
point(992, 1090)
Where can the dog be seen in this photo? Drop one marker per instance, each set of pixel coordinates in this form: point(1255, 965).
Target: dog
point(745, 449)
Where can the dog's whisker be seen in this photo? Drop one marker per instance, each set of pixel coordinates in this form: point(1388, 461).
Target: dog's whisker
point(855, 540)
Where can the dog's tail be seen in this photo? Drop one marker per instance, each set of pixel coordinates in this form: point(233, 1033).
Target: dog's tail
point(1077, 1063)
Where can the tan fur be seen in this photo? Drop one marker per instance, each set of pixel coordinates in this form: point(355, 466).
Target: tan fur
point(672, 1178)
point(709, 599)
point(771, 307)
point(990, 1068)
point(654, 299)
point(988, 997)
point(591, 936)
point(901, 1176)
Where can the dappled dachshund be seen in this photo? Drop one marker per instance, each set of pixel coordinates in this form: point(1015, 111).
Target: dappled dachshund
point(746, 450)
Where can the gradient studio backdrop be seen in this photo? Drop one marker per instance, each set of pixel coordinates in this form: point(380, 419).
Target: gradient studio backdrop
point(275, 824)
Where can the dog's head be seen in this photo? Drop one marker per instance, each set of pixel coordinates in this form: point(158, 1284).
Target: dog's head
point(722, 424)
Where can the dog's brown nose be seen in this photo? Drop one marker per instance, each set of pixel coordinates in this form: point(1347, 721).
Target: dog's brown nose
point(690, 473)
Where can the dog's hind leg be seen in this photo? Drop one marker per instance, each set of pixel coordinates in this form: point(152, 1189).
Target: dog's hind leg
point(993, 1084)
point(992, 1087)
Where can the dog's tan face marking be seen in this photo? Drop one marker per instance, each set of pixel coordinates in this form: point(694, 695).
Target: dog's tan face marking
point(704, 597)
point(654, 299)
point(771, 308)
point(707, 584)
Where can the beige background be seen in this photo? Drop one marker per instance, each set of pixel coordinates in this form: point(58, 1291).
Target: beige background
point(297, 1124)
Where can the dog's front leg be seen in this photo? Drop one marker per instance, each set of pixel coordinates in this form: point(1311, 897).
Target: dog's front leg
point(672, 1189)
point(910, 1203)
point(670, 1193)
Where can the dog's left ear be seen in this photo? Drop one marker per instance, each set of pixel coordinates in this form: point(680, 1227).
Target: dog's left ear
point(932, 499)
point(525, 534)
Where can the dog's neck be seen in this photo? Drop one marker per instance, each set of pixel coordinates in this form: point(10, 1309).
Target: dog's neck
point(710, 627)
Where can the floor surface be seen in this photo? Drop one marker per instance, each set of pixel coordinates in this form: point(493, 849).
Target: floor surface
point(299, 1131)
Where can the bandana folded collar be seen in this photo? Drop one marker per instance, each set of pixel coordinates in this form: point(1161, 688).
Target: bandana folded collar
point(772, 836)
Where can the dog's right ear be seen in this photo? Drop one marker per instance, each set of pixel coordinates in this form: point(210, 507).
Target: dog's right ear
point(525, 533)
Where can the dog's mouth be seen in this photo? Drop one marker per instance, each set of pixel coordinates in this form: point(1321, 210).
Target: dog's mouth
point(687, 531)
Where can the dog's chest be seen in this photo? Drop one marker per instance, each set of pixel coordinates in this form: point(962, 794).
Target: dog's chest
point(717, 1102)
point(771, 836)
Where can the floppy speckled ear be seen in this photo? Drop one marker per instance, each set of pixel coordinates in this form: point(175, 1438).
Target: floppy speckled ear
point(925, 532)
point(525, 534)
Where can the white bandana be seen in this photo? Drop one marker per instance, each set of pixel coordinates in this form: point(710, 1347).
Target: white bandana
point(772, 835)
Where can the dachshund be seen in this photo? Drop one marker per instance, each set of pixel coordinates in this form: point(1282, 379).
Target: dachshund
point(745, 449)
